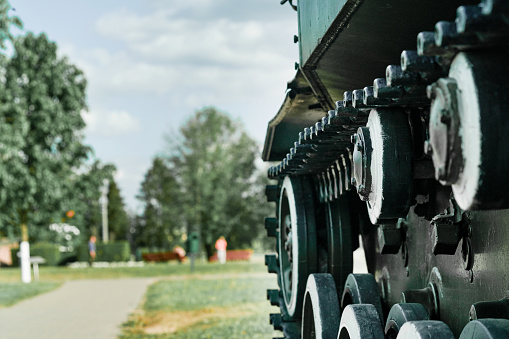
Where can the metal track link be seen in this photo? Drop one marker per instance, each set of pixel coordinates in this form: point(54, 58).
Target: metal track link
point(324, 150)
point(324, 153)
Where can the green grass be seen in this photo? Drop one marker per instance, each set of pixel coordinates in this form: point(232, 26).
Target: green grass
point(60, 274)
point(213, 307)
point(192, 294)
point(11, 293)
point(216, 301)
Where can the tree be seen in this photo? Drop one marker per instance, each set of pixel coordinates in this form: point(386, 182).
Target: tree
point(41, 104)
point(6, 22)
point(213, 161)
point(118, 221)
point(82, 196)
point(162, 223)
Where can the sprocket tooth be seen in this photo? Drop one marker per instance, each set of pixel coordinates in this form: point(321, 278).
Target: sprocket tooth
point(273, 296)
point(271, 192)
point(276, 321)
point(271, 262)
point(271, 227)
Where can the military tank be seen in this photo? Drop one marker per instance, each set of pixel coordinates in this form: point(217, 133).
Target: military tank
point(391, 137)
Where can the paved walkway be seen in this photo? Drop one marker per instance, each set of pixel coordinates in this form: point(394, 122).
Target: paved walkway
point(80, 309)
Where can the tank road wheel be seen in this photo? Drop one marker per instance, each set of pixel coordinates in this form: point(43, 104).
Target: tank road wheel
point(468, 125)
point(320, 315)
point(296, 241)
point(362, 289)
point(339, 241)
point(360, 322)
point(402, 313)
point(486, 328)
point(425, 329)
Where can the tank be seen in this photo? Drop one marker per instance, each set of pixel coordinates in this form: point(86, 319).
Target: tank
point(391, 137)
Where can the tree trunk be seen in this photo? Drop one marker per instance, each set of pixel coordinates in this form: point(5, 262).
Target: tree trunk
point(209, 249)
point(24, 249)
point(24, 231)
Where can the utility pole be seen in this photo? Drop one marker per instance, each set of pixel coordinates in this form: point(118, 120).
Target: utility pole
point(104, 206)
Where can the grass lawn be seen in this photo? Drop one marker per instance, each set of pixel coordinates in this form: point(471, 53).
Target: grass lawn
point(61, 274)
point(216, 301)
point(220, 306)
point(11, 293)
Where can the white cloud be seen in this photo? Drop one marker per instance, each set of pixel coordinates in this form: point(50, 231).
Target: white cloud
point(110, 123)
point(165, 53)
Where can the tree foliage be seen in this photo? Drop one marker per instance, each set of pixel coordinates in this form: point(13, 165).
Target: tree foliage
point(6, 21)
point(118, 221)
point(45, 168)
point(211, 170)
point(162, 222)
point(41, 104)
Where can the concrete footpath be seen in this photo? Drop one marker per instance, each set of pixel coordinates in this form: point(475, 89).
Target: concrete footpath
point(79, 309)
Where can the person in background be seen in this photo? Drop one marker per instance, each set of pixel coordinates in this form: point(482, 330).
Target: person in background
point(180, 252)
point(221, 249)
point(91, 248)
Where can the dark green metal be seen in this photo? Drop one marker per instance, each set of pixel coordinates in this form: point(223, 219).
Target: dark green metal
point(193, 242)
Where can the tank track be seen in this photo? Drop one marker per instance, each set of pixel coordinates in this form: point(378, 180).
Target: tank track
point(323, 157)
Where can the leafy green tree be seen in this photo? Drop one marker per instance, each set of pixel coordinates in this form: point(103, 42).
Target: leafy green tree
point(41, 104)
point(118, 221)
point(82, 196)
point(162, 224)
point(213, 160)
point(6, 21)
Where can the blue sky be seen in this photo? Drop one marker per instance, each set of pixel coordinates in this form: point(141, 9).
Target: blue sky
point(150, 64)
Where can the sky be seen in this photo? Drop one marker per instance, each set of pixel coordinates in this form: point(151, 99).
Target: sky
point(151, 64)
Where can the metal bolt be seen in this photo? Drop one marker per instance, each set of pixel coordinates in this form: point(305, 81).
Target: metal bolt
point(426, 44)
point(295, 39)
point(396, 76)
point(347, 99)
point(469, 18)
point(444, 32)
point(358, 98)
point(389, 239)
point(412, 62)
point(446, 237)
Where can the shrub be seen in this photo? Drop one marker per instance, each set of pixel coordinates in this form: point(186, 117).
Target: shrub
point(14, 256)
point(114, 251)
point(48, 251)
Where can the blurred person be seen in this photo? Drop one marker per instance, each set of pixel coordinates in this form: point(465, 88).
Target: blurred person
point(221, 249)
point(180, 252)
point(92, 249)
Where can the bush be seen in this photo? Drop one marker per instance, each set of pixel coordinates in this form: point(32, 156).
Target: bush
point(48, 251)
point(67, 258)
point(14, 256)
point(115, 251)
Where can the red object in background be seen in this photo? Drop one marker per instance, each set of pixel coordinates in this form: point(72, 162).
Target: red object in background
point(70, 214)
point(235, 255)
